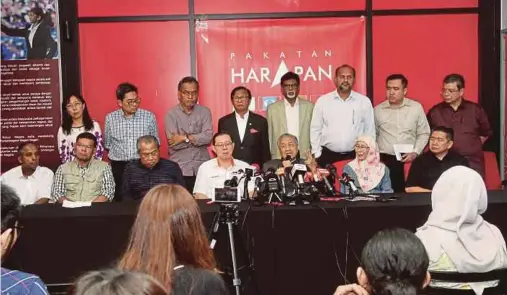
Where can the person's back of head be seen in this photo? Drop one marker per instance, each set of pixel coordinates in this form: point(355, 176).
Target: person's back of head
point(116, 282)
point(11, 206)
point(394, 262)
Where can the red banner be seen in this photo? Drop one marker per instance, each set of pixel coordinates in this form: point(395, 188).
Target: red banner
point(256, 53)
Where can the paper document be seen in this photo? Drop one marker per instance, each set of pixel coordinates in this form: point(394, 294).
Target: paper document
point(400, 149)
point(70, 204)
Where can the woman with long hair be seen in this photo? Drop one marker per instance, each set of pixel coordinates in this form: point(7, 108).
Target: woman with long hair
point(116, 282)
point(456, 236)
point(168, 242)
point(369, 174)
point(76, 120)
point(393, 262)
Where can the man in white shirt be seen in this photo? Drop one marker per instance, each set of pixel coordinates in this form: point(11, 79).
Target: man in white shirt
point(290, 115)
point(213, 173)
point(400, 120)
point(339, 117)
point(31, 182)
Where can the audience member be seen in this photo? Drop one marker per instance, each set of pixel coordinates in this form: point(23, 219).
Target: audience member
point(249, 131)
point(467, 119)
point(84, 179)
point(292, 115)
point(116, 282)
point(427, 168)
point(76, 120)
point(400, 120)
point(456, 236)
point(168, 241)
point(31, 182)
point(393, 262)
point(339, 117)
point(369, 174)
point(150, 170)
point(123, 127)
point(13, 281)
point(189, 131)
point(213, 173)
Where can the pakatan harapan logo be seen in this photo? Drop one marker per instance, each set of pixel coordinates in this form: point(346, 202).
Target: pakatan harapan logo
point(310, 65)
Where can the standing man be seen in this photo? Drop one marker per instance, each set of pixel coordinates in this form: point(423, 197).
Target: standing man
point(339, 117)
point(291, 115)
point(249, 131)
point(122, 129)
point(150, 170)
point(399, 120)
point(467, 119)
point(189, 131)
point(31, 182)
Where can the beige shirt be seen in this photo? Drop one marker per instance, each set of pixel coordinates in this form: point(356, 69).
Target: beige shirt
point(406, 124)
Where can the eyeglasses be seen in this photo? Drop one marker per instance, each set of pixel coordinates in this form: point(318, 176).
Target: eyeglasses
point(361, 147)
point(240, 98)
point(450, 91)
point(84, 146)
point(74, 106)
point(223, 144)
point(133, 101)
point(289, 86)
point(189, 93)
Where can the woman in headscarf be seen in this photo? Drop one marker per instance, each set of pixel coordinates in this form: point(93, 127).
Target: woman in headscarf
point(456, 236)
point(368, 173)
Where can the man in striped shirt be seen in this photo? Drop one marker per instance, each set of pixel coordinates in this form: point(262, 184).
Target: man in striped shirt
point(14, 281)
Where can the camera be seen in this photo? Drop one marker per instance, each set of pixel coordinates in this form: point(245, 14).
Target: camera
point(227, 195)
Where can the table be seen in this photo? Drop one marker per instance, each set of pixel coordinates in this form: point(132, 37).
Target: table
point(295, 249)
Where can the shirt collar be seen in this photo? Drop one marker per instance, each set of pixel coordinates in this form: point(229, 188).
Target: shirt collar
point(34, 27)
point(183, 111)
point(218, 165)
point(245, 117)
point(350, 98)
point(287, 104)
point(404, 103)
point(20, 173)
point(79, 166)
point(122, 113)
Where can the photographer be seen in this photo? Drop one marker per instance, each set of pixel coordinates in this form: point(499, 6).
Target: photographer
point(213, 173)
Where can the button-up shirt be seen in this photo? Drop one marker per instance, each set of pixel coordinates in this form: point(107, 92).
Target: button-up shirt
point(138, 179)
point(121, 133)
point(403, 124)
point(32, 188)
point(198, 124)
point(292, 115)
point(17, 282)
point(470, 123)
point(241, 122)
point(336, 123)
point(211, 176)
point(58, 188)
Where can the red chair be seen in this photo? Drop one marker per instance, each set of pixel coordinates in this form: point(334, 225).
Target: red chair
point(406, 169)
point(339, 169)
point(492, 174)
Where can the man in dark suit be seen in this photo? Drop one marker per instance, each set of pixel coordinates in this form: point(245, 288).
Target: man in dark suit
point(249, 131)
point(39, 43)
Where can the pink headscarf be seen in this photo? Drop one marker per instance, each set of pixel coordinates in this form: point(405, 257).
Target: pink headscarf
point(370, 171)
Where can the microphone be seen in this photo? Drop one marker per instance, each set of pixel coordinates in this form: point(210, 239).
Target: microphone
point(233, 182)
point(350, 183)
point(329, 187)
point(298, 172)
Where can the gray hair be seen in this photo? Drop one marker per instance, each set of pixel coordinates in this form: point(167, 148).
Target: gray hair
point(287, 135)
point(147, 139)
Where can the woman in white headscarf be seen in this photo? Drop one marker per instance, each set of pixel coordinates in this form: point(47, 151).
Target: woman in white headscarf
point(369, 174)
point(456, 236)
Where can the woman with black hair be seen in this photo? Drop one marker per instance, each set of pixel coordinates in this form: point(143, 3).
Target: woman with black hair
point(393, 262)
point(76, 120)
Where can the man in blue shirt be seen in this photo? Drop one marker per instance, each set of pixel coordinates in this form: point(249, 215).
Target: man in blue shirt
point(13, 281)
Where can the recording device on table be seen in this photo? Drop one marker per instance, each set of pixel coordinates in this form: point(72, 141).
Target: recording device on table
point(230, 193)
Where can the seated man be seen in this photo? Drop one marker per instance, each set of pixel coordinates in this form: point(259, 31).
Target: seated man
point(213, 173)
point(31, 182)
point(149, 170)
point(83, 179)
point(428, 167)
point(289, 151)
point(13, 281)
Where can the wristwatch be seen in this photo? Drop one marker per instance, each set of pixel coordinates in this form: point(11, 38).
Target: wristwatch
point(187, 140)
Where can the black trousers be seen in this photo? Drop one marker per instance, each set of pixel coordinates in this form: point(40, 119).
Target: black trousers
point(329, 157)
point(190, 183)
point(397, 172)
point(118, 167)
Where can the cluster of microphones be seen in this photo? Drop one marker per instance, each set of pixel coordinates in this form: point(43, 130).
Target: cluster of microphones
point(295, 185)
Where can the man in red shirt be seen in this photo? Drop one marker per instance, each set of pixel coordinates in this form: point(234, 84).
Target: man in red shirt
point(467, 119)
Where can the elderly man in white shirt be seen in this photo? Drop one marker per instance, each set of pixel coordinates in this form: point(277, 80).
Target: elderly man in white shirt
point(213, 173)
point(339, 117)
point(31, 182)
